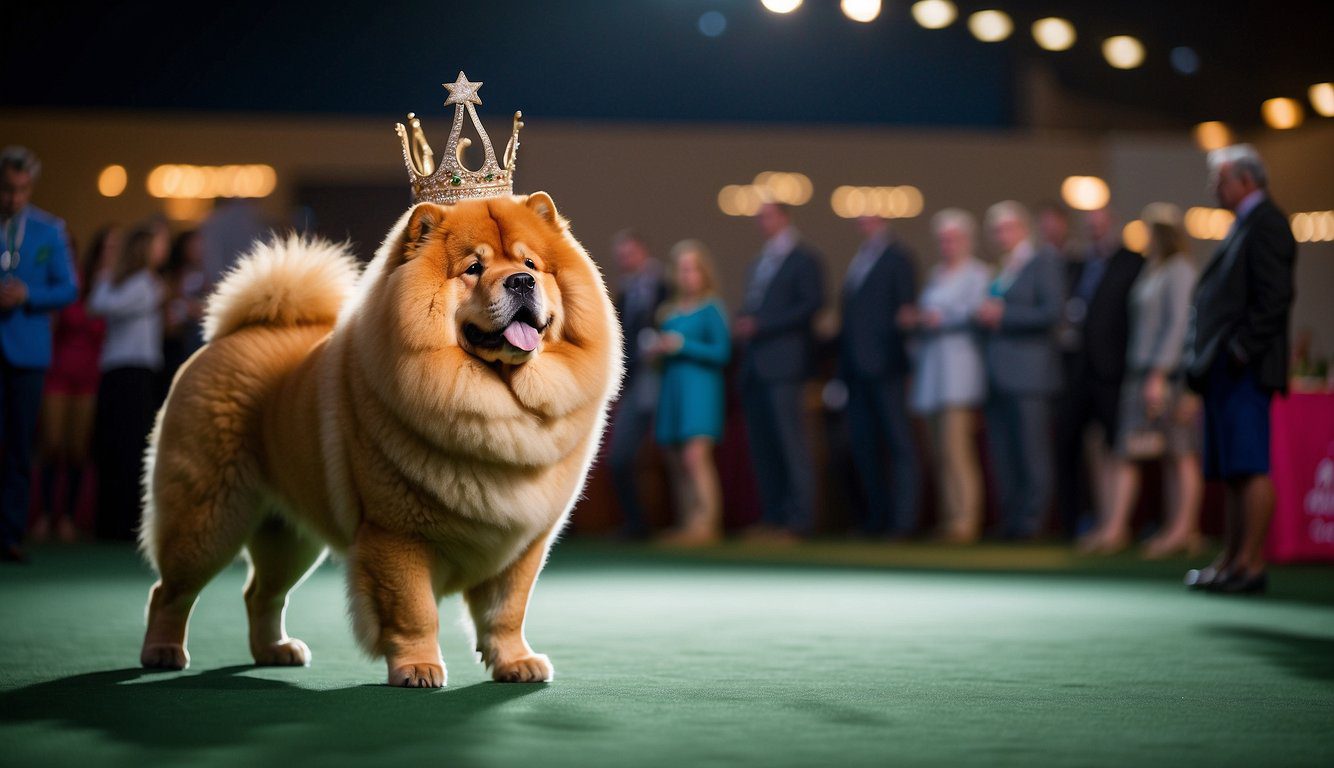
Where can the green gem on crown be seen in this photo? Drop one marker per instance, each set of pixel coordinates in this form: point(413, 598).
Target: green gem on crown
point(490, 177)
point(456, 179)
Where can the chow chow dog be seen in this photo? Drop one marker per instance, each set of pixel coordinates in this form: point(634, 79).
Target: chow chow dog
point(432, 419)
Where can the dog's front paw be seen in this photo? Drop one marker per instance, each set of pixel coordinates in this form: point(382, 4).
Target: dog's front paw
point(422, 675)
point(164, 656)
point(534, 668)
point(284, 653)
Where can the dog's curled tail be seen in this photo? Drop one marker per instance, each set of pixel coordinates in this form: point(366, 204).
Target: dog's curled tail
point(292, 280)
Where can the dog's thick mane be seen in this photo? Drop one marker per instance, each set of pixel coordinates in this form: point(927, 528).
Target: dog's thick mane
point(532, 415)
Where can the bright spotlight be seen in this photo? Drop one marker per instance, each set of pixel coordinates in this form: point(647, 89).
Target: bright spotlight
point(934, 14)
point(112, 180)
point(1282, 113)
point(781, 6)
point(1123, 51)
point(1212, 135)
point(1054, 33)
point(864, 11)
point(1322, 99)
point(990, 26)
point(1085, 193)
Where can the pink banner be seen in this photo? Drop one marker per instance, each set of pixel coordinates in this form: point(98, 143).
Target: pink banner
point(1301, 453)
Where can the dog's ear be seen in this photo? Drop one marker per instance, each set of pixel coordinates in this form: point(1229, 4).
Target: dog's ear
point(426, 218)
point(541, 204)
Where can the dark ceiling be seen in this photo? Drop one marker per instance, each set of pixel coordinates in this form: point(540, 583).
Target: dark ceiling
point(648, 60)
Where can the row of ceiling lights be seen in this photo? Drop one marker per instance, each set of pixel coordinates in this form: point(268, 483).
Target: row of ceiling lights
point(1057, 34)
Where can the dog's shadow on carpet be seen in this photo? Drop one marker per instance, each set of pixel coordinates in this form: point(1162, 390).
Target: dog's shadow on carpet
point(223, 707)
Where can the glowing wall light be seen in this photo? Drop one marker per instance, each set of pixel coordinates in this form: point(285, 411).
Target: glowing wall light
point(1085, 193)
point(740, 200)
point(934, 14)
point(1212, 135)
point(1282, 113)
point(864, 11)
point(1135, 235)
point(901, 202)
point(1322, 99)
point(1313, 226)
point(205, 182)
point(990, 26)
point(1123, 51)
point(1054, 33)
point(112, 180)
point(1208, 223)
point(784, 187)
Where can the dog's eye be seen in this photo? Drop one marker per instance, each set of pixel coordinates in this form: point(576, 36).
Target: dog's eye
point(529, 263)
point(474, 269)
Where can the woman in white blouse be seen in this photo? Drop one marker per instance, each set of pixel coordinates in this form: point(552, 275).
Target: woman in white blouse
point(950, 381)
point(129, 294)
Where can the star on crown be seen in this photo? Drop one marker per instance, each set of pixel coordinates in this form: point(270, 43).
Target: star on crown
point(452, 181)
point(463, 91)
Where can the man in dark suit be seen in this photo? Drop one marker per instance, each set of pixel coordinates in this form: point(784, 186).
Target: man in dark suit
point(1237, 358)
point(641, 290)
point(784, 290)
point(873, 364)
point(1097, 315)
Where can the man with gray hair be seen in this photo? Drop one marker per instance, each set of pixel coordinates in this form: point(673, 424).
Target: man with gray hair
point(1237, 357)
point(1023, 371)
point(35, 279)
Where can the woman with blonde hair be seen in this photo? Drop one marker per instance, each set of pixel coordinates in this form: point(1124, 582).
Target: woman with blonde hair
point(694, 345)
point(1158, 417)
point(950, 381)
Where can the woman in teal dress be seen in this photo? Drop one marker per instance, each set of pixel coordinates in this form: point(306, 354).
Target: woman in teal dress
point(693, 346)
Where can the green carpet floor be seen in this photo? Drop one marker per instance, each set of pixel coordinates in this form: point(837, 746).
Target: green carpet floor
point(734, 656)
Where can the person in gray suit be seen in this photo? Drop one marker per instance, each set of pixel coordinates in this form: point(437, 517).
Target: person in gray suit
point(1023, 369)
point(784, 290)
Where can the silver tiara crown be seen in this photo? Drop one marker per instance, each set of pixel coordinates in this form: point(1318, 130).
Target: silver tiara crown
point(452, 181)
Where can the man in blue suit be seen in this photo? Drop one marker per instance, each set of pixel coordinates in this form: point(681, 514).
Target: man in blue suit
point(35, 278)
point(784, 290)
point(873, 363)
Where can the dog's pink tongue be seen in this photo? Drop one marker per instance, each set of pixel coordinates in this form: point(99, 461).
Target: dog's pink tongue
point(521, 335)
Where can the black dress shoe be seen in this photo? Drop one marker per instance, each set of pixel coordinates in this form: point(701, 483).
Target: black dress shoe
point(1201, 578)
point(1241, 584)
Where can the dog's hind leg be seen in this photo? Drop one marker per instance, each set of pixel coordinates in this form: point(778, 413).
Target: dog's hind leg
point(280, 558)
point(189, 542)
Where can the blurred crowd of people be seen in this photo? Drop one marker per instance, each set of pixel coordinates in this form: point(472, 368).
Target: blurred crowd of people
point(1079, 362)
point(1082, 358)
point(91, 338)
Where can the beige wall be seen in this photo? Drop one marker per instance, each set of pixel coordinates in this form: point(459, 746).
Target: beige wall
point(664, 179)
